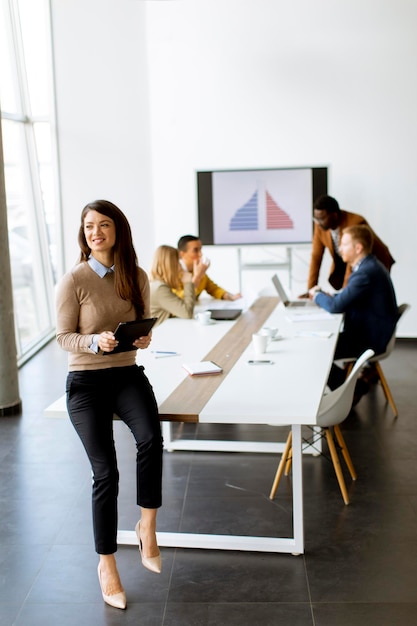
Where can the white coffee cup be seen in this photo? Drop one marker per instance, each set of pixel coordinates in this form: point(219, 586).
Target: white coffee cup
point(269, 331)
point(260, 343)
point(204, 317)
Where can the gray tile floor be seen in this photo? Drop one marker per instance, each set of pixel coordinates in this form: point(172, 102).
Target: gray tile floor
point(360, 563)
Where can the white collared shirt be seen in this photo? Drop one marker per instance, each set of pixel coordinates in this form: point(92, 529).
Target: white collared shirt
point(102, 271)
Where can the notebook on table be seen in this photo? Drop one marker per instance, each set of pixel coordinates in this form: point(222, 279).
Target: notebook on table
point(202, 368)
point(284, 298)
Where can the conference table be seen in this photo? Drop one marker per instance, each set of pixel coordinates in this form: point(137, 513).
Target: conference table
point(286, 391)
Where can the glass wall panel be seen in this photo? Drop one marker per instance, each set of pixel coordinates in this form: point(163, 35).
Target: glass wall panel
point(45, 152)
point(35, 39)
point(30, 167)
point(8, 72)
point(28, 274)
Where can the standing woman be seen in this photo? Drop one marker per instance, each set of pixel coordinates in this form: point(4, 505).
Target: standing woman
point(107, 287)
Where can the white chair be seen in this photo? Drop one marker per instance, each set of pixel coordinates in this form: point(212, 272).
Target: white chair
point(334, 408)
point(403, 308)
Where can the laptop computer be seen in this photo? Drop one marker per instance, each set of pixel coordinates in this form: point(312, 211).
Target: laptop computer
point(225, 314)
point(284, 298)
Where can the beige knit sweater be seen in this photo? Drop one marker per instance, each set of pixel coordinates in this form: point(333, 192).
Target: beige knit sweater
point(165, 303)
point(87, 305)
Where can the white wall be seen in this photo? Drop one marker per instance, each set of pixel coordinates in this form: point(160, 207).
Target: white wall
point(235, 84)
point(103, 113)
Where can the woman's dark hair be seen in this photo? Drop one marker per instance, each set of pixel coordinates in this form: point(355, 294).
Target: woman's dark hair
point(126, 281)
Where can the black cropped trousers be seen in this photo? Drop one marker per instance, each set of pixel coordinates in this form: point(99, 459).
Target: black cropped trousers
point(93, 397)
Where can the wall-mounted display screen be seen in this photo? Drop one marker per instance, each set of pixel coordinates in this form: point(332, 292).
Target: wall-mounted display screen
point(259, 206)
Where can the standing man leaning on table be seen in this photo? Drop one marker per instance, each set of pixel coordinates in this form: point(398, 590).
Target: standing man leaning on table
point(192, 260)
point(330, 221)
point(368, 301)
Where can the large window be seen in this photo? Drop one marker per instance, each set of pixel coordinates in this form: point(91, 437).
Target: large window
point(30, 167)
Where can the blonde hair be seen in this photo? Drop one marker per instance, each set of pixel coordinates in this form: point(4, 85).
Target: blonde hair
point(165, 266)
point(361, 233)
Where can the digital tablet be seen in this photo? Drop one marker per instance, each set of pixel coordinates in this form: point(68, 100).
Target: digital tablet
point(127, 332)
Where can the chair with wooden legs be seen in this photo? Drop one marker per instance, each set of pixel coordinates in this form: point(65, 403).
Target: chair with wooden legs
point(334, 408)
point(403, 308)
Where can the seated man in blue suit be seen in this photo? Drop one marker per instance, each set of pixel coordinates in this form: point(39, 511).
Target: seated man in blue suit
point(368, 301)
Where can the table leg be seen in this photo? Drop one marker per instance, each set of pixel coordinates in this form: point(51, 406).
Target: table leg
point(297, 490)
point(293, 545)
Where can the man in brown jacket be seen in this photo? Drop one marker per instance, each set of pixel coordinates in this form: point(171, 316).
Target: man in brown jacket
point(330, 221)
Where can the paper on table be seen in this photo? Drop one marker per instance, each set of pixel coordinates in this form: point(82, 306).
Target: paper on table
point(323, 334)
point(309, 317)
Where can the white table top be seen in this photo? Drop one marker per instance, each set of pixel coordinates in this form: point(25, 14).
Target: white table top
point(188, 338)
point(290, 390)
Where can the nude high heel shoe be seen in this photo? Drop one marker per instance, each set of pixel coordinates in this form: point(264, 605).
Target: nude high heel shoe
point(118, 600)
point(153, 563)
